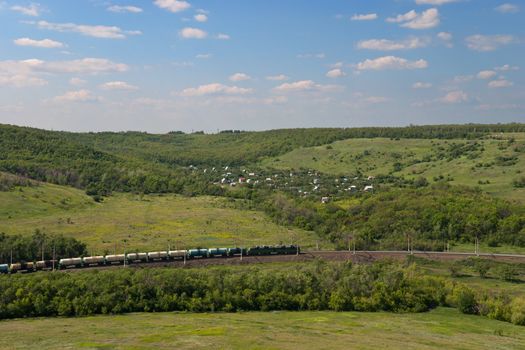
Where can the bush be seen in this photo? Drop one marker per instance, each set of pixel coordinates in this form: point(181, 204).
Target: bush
point(507, 272)
point(517, 308)
point(465, 300)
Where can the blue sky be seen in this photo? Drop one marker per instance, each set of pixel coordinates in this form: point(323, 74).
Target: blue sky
point(161, 65)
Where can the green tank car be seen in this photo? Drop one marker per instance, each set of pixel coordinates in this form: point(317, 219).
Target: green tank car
point(214, 252)
point(197, 253)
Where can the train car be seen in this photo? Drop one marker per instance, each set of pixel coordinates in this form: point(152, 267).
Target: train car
point(137, 257)
point(217, 252)
point(4, 268)
point(93, 260)
point(115, 259)
point(45, 265)
point(261, 250)
point(22, 267)
point(197, 253)
point(177, 254)
point(69, 263)
point(237, 251)
point(158, 256)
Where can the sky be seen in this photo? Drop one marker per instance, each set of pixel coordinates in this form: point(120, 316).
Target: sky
point(166, 65)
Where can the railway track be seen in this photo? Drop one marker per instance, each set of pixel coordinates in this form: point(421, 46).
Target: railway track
point(358, 256)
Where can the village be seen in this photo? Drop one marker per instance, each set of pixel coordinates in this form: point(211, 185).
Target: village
point(305, 183)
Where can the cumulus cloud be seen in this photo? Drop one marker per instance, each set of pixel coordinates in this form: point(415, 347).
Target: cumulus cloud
point(500, 83)
point(200, 17)
point(124, 9)
point(215, 89)
point(76, 96)
point(455, 97)
point(484, 43)
point(193, 33)
point(96, 31)
point(239, 77)
point(413, 20)
point(75, 81)
point(203, 56)
point(421, 85)
point(507, 8)
point(304, 85)
point(507, 67)
point(364, 17)
point(44, 43)
point(32, 10)
point(172, 5)
point(391, 62)
point(335, 73)
point(222, 36)
point(118, 85)
point(486, 74)
point(391, 45)
point(446, 38)
point(435, 2)
point(279, 77)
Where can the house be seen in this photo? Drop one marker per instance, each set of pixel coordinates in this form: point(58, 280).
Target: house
point(368, 188)
point(242, 180)
point(371, 177)
point(325, 200)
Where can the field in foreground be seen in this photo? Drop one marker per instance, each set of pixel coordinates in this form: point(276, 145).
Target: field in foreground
point(141, 222)
point(438, 329)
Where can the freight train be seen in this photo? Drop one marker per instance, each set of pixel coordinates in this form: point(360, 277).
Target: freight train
point(138, 258)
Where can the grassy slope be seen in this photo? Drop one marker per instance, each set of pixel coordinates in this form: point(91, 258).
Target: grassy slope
point(438, 329)
point(151, 222)
point(383, 154)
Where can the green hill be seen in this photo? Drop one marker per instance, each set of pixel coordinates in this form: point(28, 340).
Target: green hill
point(493, 162)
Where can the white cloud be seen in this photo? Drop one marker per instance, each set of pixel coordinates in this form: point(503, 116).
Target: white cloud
point(455, 97)
point(507, 8)
point(75, 81)
point(124, 9)
point(444, 36)
point(459, 79)
point(335, 73)
point(200, 17)
point(376, 99)
point(118, 85)
point(32, 10)
point(304, 85)
point(172, 5)
point(239, 77)
point(193, 33)
point(390, 45)
point(215, 89)
point(76, 96)
point(279, 77)
point(488, 42)
point(501, 83)
point(203, 56)
point(486, 74)
point(391, 62)
point(222, 36)
point(97, 31)
point(85, 66)
point(364, 17)
point(424, 20)
point(435, 2)
point(44, 43)
point(507, 67)
point(421, 85)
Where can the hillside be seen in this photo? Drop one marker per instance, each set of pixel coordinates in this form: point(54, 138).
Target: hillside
point(139, 222)
point(493, 162)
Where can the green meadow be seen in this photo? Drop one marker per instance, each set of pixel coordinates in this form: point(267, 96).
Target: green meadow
point(147, 222)
point(441, 328)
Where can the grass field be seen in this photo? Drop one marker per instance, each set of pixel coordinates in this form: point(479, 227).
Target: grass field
point(140, 222)
point(378, 156)
point(439, 329)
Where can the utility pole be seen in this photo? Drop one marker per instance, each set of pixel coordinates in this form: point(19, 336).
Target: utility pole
point(53, 258)
point(353, 241)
